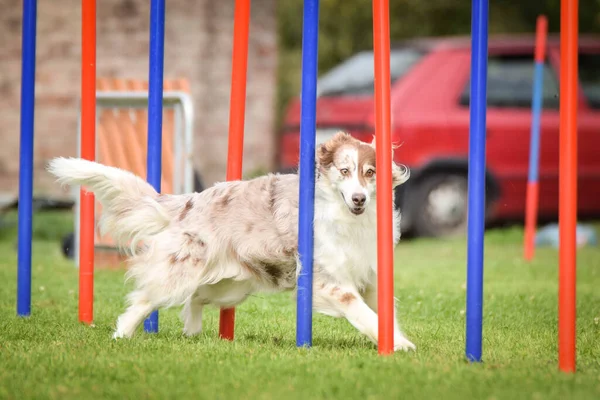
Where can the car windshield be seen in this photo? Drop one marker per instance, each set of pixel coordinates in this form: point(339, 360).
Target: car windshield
point(589, 76)
point(354, 77)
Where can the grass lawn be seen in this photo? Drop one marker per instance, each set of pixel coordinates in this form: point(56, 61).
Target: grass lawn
point(51, 355)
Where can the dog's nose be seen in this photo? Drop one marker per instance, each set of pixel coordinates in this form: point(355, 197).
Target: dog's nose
point(359, 199)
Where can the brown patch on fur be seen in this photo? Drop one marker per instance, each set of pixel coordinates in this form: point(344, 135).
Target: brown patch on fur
point(249, 227)
point(174, 258)
point(258, 270)
point(225, 200)
point(326, 151)
point(347, 298)
point(186, 209)
point(366, 156)
point(225, 196)
point(335, 290)
point(190, 237)
point(289, 251)
point(264, 270)
point(273, 271)
point(271, 194)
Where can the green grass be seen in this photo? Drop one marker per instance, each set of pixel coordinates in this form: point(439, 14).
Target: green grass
point(51, 355)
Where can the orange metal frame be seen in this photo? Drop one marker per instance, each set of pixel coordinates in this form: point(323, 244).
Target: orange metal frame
point(122, 143)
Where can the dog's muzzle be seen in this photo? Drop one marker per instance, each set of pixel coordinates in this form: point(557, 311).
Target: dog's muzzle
point(357, 210)
point(358, 203)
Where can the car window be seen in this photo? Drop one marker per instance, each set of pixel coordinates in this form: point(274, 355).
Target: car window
point(354, 77)
point(589, 76)
point(510, 83)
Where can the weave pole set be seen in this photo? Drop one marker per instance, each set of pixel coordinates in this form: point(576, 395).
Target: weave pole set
point(385, 255)
point(567, 312)
point(567, 176)
point(381, 44)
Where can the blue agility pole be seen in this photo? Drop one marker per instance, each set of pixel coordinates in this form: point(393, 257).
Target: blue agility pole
point(476, 182)
point(310, 46)
point(26, 158)
point(155, 100)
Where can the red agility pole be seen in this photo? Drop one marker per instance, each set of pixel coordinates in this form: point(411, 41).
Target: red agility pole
point(88, 152)
point(568, 185)
point(385, 248)
point(237, 108)
point(532, 197)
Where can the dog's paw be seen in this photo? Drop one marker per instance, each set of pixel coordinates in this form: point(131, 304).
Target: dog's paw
point(192, 327)
point(117, 335)
point(192, 332)
point(402, 343)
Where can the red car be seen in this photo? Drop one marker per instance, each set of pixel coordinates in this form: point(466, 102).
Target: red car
point(430, 120)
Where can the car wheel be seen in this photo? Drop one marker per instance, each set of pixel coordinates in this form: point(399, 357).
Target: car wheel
point(68, 246)
point(440, 206)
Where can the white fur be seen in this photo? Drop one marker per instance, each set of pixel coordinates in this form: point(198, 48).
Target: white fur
point(346, 245)
point(205, 254)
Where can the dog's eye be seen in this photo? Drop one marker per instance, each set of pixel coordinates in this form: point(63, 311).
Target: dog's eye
point(369, 173)
point(344, 171)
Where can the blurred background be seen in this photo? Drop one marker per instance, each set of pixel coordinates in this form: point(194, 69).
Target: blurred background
point(198, 46)
point(345, 27)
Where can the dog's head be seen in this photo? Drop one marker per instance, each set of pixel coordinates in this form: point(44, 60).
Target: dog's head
point(347, 165)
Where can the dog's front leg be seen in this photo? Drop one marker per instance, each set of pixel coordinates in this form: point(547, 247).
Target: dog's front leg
point(339, 300)
point(192, 316)
point(140, 307)
point(400, 341)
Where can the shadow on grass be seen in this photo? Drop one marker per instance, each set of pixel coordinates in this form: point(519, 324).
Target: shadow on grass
point(321, 342)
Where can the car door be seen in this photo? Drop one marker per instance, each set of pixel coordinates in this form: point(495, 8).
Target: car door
point(509, 94)
point(588, 122)
point(589, 133)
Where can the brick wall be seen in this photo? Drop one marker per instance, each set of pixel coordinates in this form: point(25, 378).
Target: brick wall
point(198, 43)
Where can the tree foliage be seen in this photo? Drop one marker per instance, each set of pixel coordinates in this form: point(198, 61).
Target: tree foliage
point(345, 27)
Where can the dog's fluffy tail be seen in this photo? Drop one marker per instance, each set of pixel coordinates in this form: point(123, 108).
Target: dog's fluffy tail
point(131, 212)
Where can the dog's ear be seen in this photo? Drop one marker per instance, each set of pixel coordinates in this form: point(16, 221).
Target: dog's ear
point(339, 138)
point(374, 144)
point(400, 174)
point(324, 157)
point(326, 151)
